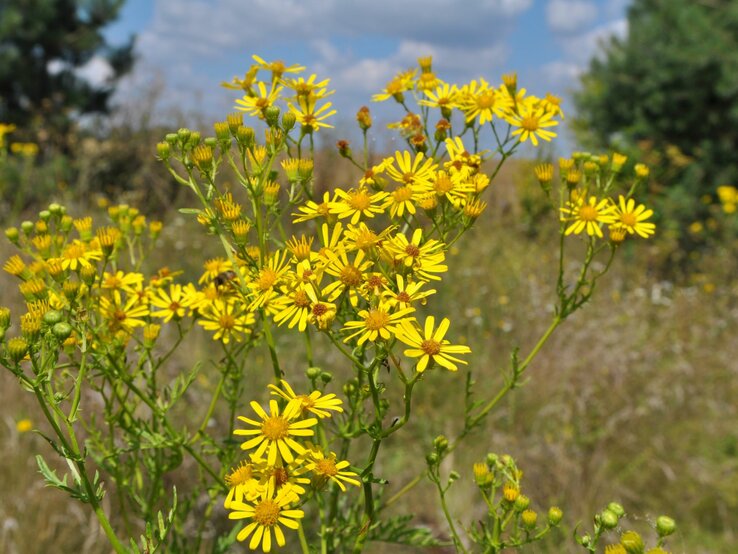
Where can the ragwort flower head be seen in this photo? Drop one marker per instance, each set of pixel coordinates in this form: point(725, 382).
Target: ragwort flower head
point(430, 346)
point(315, 403)
point(633, 218)
point(275, 433)
point(587, 215)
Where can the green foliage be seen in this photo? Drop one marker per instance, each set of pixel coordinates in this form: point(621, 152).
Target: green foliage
point(40, 57)
point(670, 90)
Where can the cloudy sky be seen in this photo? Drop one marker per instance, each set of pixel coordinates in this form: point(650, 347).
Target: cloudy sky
point(187, 47)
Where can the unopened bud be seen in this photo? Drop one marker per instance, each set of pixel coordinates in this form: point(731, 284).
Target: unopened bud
point(521, 503)
point(440, 443)
point(271, 115)
point(364, 118)
point(222, 131)
point(62, 330)
point(529, 518)
point(632, 542)
point(665, 526)
point(11, 233)
point(344, 148)
point(313, 372)
point(245, 136)
point(16, 348)
point(163, 150)
point(555, 515)
point(288, 121)
point(52, 317)
point(616, 509)
point(184, 135)
point(608, 519)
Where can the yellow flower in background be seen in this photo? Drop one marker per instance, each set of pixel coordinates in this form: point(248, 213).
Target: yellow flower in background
point(213, 268)
point(119, 280)
point(24, 425)
point(588, 215)
point(123, 315)
point(275, 433)
point(414, 172)
point(728, 196)
point(265, 283)
point(79, 255)
point(407, 292)
point(172, 303)
point(633, 218)
point(443, 97)
point(267, 513)
point(316, 403)
point(5, 128)
point(425, 260)
point(256, 104)
point(308, 116)
point(430, 346)
point(483, 102)
point(277, 67)
point(402, 82)
point(309, 88)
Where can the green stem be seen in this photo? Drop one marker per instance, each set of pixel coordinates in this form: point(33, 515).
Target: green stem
point(303, 541)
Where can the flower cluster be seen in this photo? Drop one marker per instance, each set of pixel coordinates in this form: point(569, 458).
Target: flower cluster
point(284, 468)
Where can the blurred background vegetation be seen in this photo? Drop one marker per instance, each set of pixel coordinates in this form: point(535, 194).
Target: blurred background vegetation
point(633, 400)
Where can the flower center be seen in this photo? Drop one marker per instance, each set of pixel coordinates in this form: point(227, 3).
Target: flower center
point(267, 277)
point(280, 476)
point(486, 100)
point(301, 299)
point(74, 252)
point(403, 297)
point(266, 513)
point(402, 194)
point(529, 123)
point(319, 309)
point(588, 213)
point(174, 306)
point(431, 347)
point(275, 428)
point(375, 281)
point(350, 276)
point(376, 319)
point(227, 321)
point(443, 184)
point(360, 200)
point(412, 251)
point(629, 219)
point(326, 466)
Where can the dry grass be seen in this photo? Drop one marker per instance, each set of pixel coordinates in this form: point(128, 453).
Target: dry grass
point(633, 399)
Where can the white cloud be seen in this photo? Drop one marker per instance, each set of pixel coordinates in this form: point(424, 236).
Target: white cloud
point(581, 48)
point(97, 71)
point(570, 16)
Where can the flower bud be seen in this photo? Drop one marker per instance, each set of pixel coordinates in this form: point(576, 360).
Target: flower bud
point(665, 526)
point(440, 443)
point(632, 542)
point(521, 503)
point(55, 209)
point(62, 330)
point(194, 139)
point(616, 509)
point(202, 156)
point(271, 193)
point(432, 459)
point(17, 347)
point(44, 215)
point(492, 459)
point(364, 118)
point(442, 128)
point(510, 492)
point(245, 136)
point(529, 518)
point(617, 161)
point(163, 150)
point(184, 135)
point(453, 476)
point(326, 377)
point(171, 138)
point(344, 148)
point(271, 115)
point(234, 120)
point(52, 317)
point(555, 515)
point(212, 142)
point(288, 121)
point(641, 171)
point(66, 223)
point(88, 274)
point(313, 373)
point(222, 131)
point(608, 519)
point(27, 227)
point(11, 233)
point(150, 334)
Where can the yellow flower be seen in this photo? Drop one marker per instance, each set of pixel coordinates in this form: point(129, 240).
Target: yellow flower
point(358, 203)
point(242, 484)
point(310, 118)
point(270, 276)
point(532, 122)
point(213, 268)
point(266, 515)
point(311, 210)
point(325, 467)
point(274, 433)
point(228, 320)
point(296, 310)
point(400, 83)
point(632, 218)
point(78, 254)
point(255, 104)
point(315, 402)
point(415, 173)
point(376, 323)
point(587, 216)
point(407, 292)
point(123, 316)
point(24, 425)
point(277, 67)
point(430, 347)
point(444, 97)
point(350, 275)
point(121, 281)
point(424, 260)
point(483, 102)
point(172, 303)
point(309, 88)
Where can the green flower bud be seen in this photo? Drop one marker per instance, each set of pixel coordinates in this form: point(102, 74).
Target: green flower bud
point(4, 317)
point(44, 215)
point(171, 138)
point(212, 142)
point(313, 373)
point(608, 519)
point(52, 317)
point(11, 233)
point(665, 526)
point(431, 459)
point(529, 518)
point(245, 136)
point(271, 115)
point(163, 150)
point(521, 503)
point(453, 476)
point(288, 121)
point(17, 347)
point(55, 209)
point(616, 509)
point(27, 227)
point(222, 131)
point(555, 515)
point(326, 377)
point(492, 459)
point(62, 330)
point(632, 542)
point(194, 139)
point(184, 135)
point(440, 443)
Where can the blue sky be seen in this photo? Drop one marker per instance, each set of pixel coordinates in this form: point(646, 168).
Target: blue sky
point(187, 47)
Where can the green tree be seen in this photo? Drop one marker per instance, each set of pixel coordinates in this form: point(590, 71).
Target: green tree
point(670, 90)
point(43, 44)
